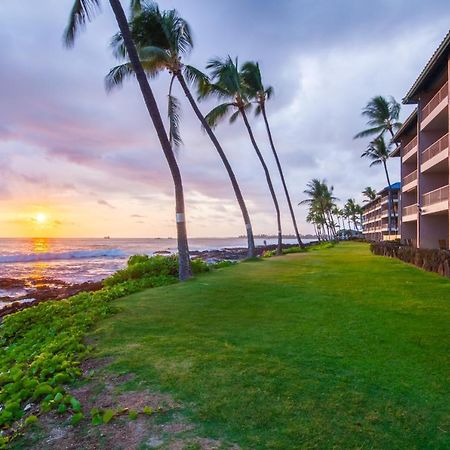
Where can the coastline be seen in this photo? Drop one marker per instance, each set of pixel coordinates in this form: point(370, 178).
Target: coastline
point(46, 289)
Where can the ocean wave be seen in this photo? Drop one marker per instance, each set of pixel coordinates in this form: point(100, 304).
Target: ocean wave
point(74, 254)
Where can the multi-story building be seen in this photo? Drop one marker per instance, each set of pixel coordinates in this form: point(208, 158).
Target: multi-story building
point(423, 143)
point(375, 217)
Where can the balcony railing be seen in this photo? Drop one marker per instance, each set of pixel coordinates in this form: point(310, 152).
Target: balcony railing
point(409, 146)
point(435, 149)
point(436, 196)
point(410, 178)
point(441, 94)
point(410, 210)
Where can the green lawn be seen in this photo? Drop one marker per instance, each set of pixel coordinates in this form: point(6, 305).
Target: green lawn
point(331, 349)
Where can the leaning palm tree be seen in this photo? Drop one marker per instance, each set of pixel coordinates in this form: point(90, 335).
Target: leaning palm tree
point(378, 153)
point(382, 115)
point(369, 193)
point(163, 38)
point(228, 84)
point(251, 76)
point(83, 11)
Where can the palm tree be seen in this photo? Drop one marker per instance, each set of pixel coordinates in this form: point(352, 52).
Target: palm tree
point(353, 212)
point(369, 193)
point(321, 203)
point(163, 38)
point(378, 152)
point(382, 115)
point(251, 76)
point(83, 11)
point(228, 84)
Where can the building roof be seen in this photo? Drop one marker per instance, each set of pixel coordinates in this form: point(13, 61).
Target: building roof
point(395, 187)
point(439, 56)
point(407, 124)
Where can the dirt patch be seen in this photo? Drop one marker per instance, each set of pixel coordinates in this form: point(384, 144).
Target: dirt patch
point(165, 428)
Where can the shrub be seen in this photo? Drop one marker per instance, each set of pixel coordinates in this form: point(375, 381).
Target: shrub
point(152, 268)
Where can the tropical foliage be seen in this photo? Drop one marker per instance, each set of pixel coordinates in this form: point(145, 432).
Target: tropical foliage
point(382, 117)
point(329, 221)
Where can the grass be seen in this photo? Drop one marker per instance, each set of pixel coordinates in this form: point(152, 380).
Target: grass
point(328, 349)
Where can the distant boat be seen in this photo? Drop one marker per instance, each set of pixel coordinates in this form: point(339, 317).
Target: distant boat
point(106, 237)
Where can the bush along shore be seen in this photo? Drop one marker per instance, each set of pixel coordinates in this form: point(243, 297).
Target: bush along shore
point(43, 346)
point(432, 260)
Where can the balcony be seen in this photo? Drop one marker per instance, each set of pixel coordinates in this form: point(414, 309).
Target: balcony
point(409, 182)
point(409, 213)
point(435, 106)
point(436, 155)
point(435, 201)
point(409, 150)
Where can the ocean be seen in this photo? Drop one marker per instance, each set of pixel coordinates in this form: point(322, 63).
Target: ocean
point(40, 261)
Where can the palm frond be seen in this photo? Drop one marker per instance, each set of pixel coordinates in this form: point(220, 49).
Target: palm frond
point(234, 116)
point(135, 8)
point(196, 77)
point(269, 92)
point(178, 32)
point(82, 11)
point(369, 132)
point(258, 110)
point(117, 75)
point(218, 113)
point(174, 115)
point(118, 47)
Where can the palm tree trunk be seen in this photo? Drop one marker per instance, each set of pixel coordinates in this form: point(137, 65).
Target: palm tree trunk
point(391, 198)
point(251, 252)
point(280, 170)
point(269, 181)
point(184, 266)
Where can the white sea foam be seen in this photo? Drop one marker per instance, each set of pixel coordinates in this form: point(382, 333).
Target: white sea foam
point(60, 256)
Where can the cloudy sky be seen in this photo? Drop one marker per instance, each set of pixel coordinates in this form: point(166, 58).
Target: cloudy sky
point(90, 161)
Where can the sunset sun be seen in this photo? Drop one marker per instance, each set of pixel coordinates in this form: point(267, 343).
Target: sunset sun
point(41, 218)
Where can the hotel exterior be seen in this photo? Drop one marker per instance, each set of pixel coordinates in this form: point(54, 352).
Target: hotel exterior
point(423, 143)
point(375, 216)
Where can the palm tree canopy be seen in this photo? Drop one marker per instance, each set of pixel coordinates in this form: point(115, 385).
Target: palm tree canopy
point(369, 193)
point(252, 79)
point(226, 84)
point(377, 151)
point(382, 114)
point(162, 38)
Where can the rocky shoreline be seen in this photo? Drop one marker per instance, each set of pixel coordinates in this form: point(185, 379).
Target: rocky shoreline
point(45, 289)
